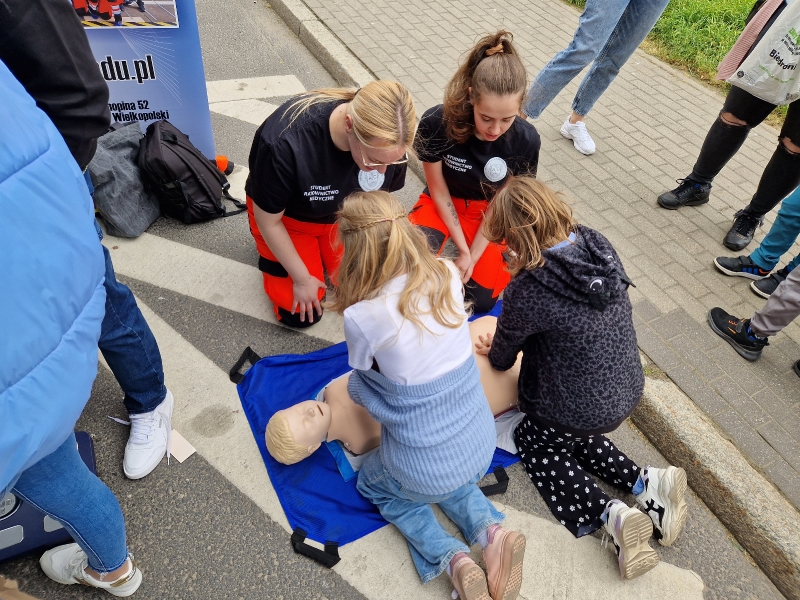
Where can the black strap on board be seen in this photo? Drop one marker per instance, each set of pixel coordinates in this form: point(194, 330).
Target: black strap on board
point(247, 356)
point(497, 488)
point(327, 558)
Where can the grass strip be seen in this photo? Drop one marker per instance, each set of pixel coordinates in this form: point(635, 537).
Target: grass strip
point(695, 35)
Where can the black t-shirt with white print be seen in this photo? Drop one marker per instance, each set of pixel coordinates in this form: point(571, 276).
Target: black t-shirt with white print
point(299, 170)
point(476, 169)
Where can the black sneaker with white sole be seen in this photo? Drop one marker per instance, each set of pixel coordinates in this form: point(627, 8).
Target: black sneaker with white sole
point(767, 286)
point(688, 193)
point(663, 501)
point(742, 231)
point(740, 266)
point(734, 331)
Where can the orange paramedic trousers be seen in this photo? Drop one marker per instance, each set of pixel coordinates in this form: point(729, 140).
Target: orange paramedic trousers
point(315, 243)
point(490, 271)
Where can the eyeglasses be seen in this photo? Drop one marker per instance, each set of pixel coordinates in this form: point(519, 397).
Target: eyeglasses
point(402, 161)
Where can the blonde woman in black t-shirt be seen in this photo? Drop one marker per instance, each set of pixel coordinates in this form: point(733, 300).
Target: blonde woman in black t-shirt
point(469, 146)
point(306, 157)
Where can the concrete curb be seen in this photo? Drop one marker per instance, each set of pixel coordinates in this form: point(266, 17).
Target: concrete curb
point(328, 49)
point(752, 509)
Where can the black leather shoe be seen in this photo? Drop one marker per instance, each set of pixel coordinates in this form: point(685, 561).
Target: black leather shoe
point(742, 231)
point(688, 193)
point(767, 286)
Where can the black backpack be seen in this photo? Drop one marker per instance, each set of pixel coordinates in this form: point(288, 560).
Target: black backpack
point(189, 186)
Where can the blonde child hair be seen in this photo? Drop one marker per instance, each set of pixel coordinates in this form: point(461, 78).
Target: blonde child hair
point(381, 244)
point(531, 218)
point(281, 443)
point(381, 111)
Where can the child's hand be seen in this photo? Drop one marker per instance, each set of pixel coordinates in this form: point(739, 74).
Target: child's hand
point(484, 344)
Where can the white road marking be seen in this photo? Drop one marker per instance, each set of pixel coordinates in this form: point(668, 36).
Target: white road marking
point(254, 87)
point(205, 276)
point(209, 415)
point(250, 111)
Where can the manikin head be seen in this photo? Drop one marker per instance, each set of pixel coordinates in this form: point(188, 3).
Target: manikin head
point(296, 432)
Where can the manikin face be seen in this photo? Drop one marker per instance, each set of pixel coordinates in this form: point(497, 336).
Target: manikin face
point(309, 422)
point(494, 115)
point(376, 156)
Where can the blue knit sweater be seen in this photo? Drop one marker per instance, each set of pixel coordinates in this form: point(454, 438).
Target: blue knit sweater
point(435, 436)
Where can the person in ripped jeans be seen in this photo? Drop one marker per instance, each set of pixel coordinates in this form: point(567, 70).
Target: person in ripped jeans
point(741, 112)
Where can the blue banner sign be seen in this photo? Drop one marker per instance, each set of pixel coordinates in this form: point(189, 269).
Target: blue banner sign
point(149, 54)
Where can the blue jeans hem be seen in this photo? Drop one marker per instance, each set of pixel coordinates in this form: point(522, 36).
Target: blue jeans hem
point(90, 554)
point(442, 566)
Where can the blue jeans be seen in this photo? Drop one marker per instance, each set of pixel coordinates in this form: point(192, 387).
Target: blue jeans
point(781, 236)
point(608, 33)
point(431, 546)
point(127, 344)
point(63, 487)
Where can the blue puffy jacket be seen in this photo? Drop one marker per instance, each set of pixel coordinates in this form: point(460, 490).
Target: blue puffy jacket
point(51, 285)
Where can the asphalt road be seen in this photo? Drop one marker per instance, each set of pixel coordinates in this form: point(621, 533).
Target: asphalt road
point(194, 533)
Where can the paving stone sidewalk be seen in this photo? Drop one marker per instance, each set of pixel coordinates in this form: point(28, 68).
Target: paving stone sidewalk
point(648, 127)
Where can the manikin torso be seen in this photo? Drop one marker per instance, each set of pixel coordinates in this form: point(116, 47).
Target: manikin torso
point(339, 418)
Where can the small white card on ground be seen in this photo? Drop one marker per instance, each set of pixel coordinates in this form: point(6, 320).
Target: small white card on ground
point(179, 448)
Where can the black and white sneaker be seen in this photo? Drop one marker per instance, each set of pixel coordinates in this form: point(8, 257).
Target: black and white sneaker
point(630, 530)
point(741, 266)
point(662, 501)
point(766, 287)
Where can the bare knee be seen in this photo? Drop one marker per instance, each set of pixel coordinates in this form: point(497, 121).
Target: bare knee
point(729, 119)
point(790, 145)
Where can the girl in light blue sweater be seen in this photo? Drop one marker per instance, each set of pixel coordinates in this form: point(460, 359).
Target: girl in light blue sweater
point(409, 345)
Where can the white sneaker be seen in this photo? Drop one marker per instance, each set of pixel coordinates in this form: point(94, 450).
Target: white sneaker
point(630, 529)
point(66, 564)
point(662, 500)
point(149, 439)
point(580, 137)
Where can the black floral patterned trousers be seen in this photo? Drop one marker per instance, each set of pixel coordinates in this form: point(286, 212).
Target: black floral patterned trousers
point(560, 465)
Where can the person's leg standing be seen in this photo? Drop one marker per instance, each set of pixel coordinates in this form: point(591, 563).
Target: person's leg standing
point(782, 308)
point(740, 113)
point(595, 26)
point(635, 23)
point(61, 486)
point(781, 235)
point(132, 354)
point(432, 548)
point(780, 177)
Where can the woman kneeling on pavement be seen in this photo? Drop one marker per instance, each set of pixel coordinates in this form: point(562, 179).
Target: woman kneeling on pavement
point(469, 146)
point(567, 310)
point(306, 158)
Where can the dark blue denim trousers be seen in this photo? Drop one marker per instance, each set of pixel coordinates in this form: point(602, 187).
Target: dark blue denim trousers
point(127, 344)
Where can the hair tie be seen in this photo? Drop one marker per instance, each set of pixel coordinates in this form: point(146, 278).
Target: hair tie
point(356, 92)
point(373, 223)
point(495, 50)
